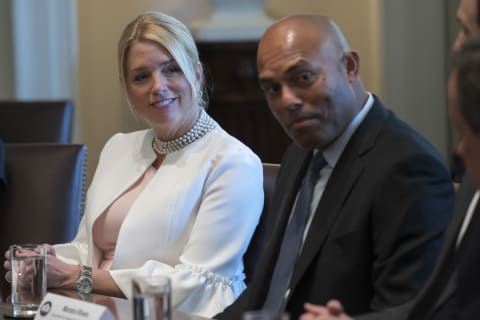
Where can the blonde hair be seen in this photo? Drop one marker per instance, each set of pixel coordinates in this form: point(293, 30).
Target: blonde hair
point(172, 35)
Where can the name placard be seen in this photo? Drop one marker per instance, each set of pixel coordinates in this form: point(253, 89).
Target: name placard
point(57, 307)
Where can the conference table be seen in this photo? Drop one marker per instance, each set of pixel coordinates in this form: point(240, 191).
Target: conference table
point(113, 304)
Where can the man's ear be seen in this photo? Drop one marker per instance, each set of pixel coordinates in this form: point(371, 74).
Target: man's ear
point(351, 61)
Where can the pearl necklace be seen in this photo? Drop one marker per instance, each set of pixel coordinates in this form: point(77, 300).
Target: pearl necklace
point(202, 126)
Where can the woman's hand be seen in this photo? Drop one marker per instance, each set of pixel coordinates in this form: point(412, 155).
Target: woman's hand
point(60, 275)
point(6, 264)
point(8, 267)
point(49, 250)
point(22, 252)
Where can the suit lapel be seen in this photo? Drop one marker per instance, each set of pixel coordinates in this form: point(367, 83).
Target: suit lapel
point(346, 173)
point(342, 180)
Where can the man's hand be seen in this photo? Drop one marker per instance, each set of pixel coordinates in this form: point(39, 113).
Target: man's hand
point(332, 311)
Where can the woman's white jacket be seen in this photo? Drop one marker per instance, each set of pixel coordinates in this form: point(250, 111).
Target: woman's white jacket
point(192, 222)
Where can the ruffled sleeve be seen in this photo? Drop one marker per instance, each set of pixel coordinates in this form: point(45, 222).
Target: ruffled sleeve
point(194, 289)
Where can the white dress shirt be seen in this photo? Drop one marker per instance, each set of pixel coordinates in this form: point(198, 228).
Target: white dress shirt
point(468, 216)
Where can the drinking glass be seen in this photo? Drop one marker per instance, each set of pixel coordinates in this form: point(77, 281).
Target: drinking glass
point(152, 298)
point(29, 278)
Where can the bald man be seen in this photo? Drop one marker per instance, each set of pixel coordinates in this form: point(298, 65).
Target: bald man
point(440, 298)
point(364, 195)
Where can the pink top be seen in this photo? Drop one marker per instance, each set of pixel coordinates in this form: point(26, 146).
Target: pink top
point(107, 226)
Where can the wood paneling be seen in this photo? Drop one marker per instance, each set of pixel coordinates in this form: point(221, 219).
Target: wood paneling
point(236, 101)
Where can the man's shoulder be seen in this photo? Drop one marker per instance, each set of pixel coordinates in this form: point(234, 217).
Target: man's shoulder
point(395, 134)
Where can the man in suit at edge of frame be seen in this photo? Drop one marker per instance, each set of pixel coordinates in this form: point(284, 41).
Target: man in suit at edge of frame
point(464, 112)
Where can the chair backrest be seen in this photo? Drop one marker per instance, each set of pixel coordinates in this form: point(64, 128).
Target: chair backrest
point(254, 251)
point(42, 201)
point(36, 121)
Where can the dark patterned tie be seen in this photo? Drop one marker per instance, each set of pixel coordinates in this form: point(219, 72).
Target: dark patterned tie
point(292, 240)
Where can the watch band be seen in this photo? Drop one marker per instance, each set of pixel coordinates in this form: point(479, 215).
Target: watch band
point(87, 271)
point(78, 276)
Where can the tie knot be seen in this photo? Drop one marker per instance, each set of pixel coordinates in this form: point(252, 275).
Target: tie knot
point(316, 164)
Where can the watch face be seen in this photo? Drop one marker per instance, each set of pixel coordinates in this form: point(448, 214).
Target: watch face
point(85, 285)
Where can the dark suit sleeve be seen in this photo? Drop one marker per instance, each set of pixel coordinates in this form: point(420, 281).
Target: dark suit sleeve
point(395, 313)
point(411, 210)
point(235, 310)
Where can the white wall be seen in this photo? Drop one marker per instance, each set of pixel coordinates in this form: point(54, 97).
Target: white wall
point(38, 49)
point(453, 28)
point(415, 51)
point(44, 47)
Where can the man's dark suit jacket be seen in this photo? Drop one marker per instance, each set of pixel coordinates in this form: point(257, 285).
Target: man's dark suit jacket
point(431, 302)
point(378, 227)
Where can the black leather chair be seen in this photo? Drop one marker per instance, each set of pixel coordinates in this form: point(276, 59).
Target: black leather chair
point(42, 201)
point(36, 121)
point(254, 251)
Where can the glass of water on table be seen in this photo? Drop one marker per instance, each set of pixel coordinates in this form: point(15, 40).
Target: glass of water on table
point(28, 278)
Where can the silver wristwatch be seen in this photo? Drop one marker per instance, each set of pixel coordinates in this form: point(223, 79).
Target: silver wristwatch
point(84, 284)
